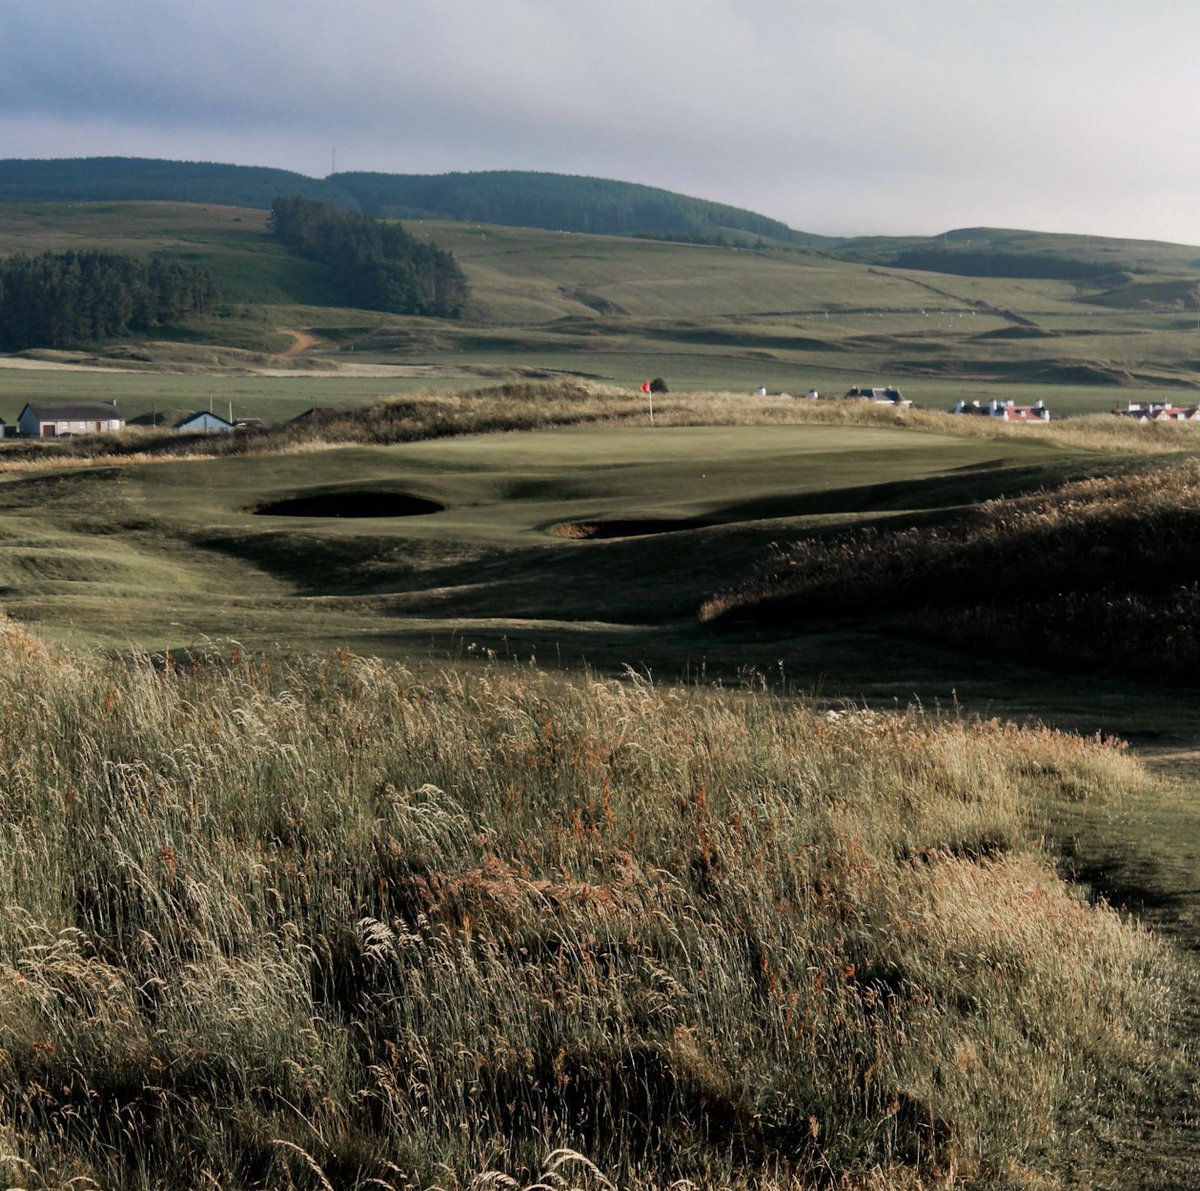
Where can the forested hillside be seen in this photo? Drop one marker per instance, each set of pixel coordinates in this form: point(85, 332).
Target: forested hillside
point(561, 202)
point(518, 198)
point(558, 202)
point(378, 266)
point(116, 179)
point(64, 299)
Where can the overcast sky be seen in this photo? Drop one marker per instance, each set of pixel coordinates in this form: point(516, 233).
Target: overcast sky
point(850, 117)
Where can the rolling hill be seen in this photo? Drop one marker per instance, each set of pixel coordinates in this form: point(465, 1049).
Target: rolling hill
point(517, 198)
point(739, 316)
point(121, 179)
point(562, 202)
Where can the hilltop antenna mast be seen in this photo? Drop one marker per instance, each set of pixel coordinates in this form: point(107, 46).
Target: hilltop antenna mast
point(333, 160)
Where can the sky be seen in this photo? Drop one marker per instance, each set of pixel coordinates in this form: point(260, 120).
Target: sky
point(851, 117)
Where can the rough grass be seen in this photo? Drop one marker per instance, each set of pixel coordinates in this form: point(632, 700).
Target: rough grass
point(1099, 573)
point(535, 405)
point(340, 922)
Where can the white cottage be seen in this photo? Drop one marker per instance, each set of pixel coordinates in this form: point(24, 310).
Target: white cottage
point(53, 419)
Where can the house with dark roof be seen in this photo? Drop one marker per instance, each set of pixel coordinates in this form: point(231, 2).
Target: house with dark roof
point(53, 419)
point(203, 422)
point(886, 396)
point(318, 413)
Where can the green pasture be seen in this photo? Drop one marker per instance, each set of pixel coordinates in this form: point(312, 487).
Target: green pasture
point(623, 310)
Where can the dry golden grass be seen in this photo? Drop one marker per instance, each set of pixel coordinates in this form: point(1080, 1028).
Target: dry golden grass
point(540, 405)
point(337, 922)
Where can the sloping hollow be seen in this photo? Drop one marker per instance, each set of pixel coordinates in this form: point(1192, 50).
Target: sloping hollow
point(350, 504)
point(592, 530)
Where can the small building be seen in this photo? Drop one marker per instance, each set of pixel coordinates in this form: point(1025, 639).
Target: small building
point(55, 419)
point(203, 422)
point(3, 428)
point(1006, 411)
point(885, 396)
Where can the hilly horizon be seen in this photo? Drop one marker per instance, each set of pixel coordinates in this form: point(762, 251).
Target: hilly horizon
point(566, 202)
point(557, 202)
point(716, 307)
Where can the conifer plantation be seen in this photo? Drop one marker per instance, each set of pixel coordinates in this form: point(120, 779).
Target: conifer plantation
point(69, 298)
point(378, 266)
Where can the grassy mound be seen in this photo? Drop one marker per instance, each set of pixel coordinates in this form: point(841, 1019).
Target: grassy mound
point(1098, 574)
point(343, 922)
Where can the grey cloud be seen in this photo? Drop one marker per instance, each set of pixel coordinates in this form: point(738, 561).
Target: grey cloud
point(843, 118)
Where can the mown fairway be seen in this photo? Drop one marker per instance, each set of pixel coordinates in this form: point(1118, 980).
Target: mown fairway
point(167, 554)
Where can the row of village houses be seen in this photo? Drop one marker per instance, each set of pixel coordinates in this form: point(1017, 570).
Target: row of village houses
point(58, 419)
point(1006, 411)
point(1159, 411)
point(51, 419)
point(1009, 411)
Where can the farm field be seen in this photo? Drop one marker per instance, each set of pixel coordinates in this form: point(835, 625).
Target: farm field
point(622, 310)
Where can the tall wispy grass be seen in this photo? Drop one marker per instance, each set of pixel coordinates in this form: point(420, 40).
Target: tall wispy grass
point(341, 922)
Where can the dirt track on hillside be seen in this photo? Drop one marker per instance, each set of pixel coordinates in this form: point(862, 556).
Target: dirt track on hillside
point(304, 341)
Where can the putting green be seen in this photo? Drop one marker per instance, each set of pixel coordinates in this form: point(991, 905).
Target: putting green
point(176, 553)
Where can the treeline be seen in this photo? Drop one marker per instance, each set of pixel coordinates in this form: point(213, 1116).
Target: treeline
point(67, 298)
point(378, 266)
point(519, 198)
point(558, 202)
point(1044, 266)
point(126, 179)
